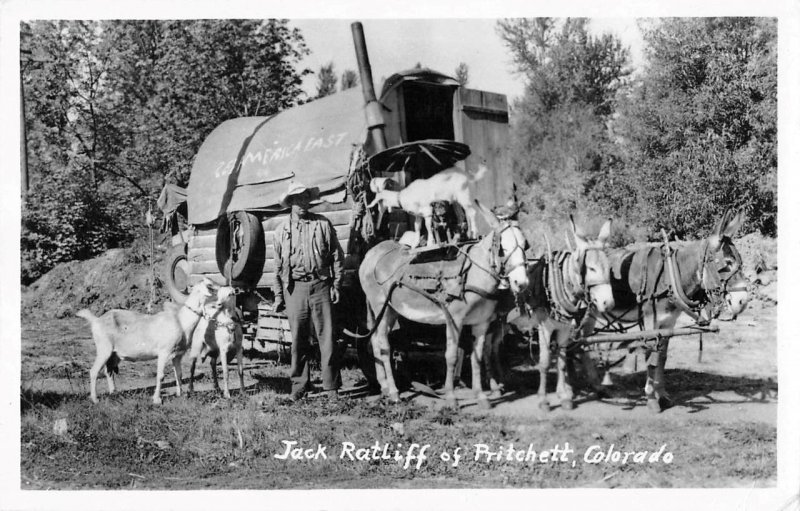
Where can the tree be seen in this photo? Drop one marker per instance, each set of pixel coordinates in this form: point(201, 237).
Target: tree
point(700, 130)
point(462, 74)
point(326, 80)
point(114, 106)
point(349, 79)
point(560, 140)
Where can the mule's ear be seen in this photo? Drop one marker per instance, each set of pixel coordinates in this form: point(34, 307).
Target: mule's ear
point(490, 217)
point(605, 232)
point(734, 224)
point(580, 238)
point(568, 238)
point(723, 222)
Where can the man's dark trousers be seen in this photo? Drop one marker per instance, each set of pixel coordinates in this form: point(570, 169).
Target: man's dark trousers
point(307, 303)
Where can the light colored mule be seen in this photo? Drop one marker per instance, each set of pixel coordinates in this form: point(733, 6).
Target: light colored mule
point(497, 257)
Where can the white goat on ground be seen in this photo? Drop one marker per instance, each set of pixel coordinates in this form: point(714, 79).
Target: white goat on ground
point(219, 336)
point(129, 335)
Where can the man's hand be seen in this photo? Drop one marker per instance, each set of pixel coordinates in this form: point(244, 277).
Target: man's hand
point(334, 295)
point(279, 305)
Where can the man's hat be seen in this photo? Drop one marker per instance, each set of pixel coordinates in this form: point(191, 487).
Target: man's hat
point(296, 188)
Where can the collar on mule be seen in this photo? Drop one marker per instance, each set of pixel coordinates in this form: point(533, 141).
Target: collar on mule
point(708, 276)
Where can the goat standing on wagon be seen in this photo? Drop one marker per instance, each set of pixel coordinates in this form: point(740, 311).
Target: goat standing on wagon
point(129, 335)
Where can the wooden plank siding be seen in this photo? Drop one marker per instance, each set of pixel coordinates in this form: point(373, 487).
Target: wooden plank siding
point(202, 249)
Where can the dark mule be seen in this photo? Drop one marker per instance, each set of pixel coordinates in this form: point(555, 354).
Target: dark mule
point(652, 290)
point(563, 285)
point(462, 291)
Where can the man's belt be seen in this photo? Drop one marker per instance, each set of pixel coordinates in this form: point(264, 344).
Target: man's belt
point(305, 278)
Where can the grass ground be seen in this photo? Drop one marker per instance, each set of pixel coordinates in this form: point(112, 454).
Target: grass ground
point(721, 434)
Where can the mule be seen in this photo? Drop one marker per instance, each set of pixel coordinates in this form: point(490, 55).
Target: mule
point(651, 292)
point(474, 281)
point(563, 285)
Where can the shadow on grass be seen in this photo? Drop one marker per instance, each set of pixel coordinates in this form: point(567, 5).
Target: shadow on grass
point(691, 389)
point(30, 398)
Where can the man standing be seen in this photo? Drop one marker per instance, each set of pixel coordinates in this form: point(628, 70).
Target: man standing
point(308, 277)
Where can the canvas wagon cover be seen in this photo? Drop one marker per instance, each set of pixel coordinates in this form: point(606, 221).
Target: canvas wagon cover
point(247, 163)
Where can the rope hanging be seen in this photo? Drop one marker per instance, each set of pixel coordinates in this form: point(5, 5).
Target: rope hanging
point(150, 221)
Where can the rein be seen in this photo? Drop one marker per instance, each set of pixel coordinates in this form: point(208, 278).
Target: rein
point(447, 316)
point(495, 254)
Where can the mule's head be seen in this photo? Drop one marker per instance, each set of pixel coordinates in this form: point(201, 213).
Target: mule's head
point(723, 266)
point(511, 250)
point(591, 268)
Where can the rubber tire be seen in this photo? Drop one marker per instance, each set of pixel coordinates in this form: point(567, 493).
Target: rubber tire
point(176, 274)
point(250, 262)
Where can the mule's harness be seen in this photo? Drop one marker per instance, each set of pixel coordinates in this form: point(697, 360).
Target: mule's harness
point(566, 307)
point(495, 253)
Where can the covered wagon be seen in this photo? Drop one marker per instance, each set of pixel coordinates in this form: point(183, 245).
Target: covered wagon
point(245, 164)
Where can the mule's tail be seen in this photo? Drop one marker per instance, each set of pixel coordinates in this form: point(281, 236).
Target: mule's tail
point(378, 317)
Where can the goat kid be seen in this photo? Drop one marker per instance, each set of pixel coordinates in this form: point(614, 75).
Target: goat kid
point(128, 335)
point(219, 335)
point(452, 185)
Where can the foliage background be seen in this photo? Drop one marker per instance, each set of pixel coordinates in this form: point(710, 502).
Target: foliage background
point(116, 108)
point(690, 135)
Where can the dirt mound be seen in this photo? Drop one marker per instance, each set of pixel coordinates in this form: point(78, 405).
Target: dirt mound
point(760, 259)
point(759, 253)
point(119, 279)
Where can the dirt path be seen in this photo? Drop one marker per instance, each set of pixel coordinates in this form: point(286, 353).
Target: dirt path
point(736, 379)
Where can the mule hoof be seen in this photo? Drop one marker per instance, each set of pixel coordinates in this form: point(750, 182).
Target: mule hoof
point(393, 397)
point(94, 400)
point(544, 406)
point(156, 401)
point(665, 403)
point(567, 404)
point(451, 402)
point(483, 403)
point(653, 406)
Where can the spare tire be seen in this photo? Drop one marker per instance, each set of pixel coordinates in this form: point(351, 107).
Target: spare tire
point(176, 274)
point(240, 247)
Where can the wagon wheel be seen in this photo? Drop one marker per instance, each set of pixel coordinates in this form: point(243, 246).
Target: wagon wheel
point(177, 274)
point(514, 349)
